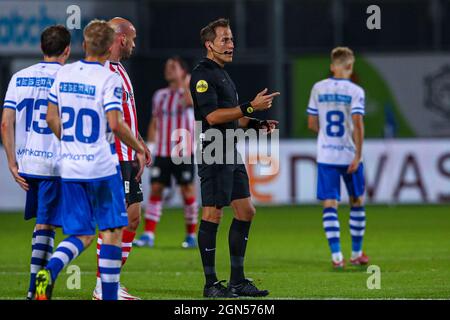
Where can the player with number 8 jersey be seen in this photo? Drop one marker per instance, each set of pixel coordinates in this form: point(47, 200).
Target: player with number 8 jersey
point(334, 101)
point(335, 111)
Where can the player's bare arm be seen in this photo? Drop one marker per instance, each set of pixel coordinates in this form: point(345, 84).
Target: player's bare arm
point(358, 137)
point(123, 132)
point(313, 123)
point(8, 139)
point(148, 154)
point(262, 101)
point(53, 119)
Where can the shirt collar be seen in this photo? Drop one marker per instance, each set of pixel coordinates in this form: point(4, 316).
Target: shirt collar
point(90, 62)
point(210, 63)
point(51, 62)
point(340, 79)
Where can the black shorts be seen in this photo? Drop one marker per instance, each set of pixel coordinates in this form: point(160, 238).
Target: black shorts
point(133, 188)
point(222, 183)
point(163, 169)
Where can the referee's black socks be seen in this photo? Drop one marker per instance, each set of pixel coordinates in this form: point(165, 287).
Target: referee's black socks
point(237, 240)
point(207, 244)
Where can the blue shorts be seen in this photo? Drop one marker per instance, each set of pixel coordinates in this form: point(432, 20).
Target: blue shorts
point(43, 201)
point(88, 204)
point(329, 181)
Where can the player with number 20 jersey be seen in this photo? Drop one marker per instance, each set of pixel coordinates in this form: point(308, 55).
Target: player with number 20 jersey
point(84, 109)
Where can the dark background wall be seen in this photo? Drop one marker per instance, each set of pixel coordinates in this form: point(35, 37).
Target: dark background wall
point(172, 27)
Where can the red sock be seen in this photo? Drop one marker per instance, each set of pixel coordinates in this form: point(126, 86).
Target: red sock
point(127, 244)
point(189, 201)
point(191, 228)
point(152, 213)
point(150, 225)
point(190, 215)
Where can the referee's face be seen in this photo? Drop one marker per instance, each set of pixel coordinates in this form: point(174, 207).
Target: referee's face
point(223, 45)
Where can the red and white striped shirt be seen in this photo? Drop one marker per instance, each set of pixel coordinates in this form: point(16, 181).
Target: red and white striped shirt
point(124, 152)
point(171, 114)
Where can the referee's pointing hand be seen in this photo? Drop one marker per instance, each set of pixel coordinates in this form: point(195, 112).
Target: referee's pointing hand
point(263, 101)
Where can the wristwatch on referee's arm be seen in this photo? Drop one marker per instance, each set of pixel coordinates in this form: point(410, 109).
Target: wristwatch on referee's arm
point(247, 109)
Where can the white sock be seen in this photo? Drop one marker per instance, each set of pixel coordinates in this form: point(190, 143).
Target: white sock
point(337, 257)
point(99, 285)
point(356, 254)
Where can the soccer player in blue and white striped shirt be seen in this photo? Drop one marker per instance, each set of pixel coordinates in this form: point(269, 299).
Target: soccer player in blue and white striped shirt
point(31, 148)
point(335, 111)
point(84, 110)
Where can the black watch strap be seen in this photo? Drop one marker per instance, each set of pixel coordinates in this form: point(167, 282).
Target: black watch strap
point(247, 109)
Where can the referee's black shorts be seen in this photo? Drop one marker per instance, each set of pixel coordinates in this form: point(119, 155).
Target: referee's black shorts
point(222, 183)
point(163, 168)
point(133, 188)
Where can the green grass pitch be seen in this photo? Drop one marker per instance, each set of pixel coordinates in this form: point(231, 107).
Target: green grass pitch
point(287, 253)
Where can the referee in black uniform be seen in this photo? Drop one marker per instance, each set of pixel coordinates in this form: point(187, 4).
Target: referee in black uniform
point(216, 106)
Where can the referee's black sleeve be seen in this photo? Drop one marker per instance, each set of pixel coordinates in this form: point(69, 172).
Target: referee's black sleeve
point(204, 92)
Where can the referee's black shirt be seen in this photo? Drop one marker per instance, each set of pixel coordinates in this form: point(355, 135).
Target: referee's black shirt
point(212, 88)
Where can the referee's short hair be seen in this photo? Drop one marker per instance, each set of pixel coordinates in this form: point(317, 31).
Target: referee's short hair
point(98, 37)
point(208, 33)
point(54, 40)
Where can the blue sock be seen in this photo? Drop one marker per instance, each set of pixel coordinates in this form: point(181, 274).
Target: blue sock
point(332, 232)
point(41, 251)
point(110, 263)
point(357, 229)
point(67, 250)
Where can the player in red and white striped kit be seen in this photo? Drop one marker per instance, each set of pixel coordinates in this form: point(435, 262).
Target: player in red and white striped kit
point(172, 130)
point(131, 171)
